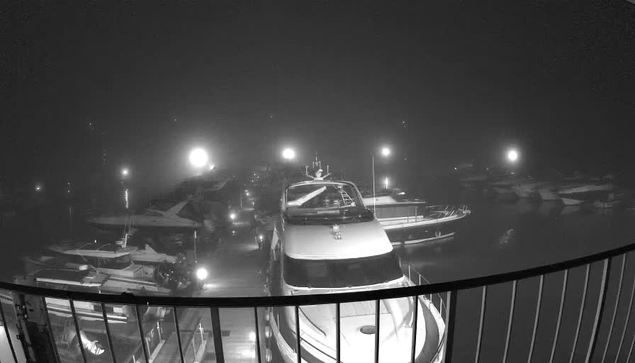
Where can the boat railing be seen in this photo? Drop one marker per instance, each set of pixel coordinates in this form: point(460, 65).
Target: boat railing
point(578, 310)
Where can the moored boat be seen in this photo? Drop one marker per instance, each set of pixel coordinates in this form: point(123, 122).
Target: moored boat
point(549, 193)
point(145, 255)
point(89, 281)
point(610, 202)
point(327, 241)
point(417, 222)
point(571, 201)
point(583, 193)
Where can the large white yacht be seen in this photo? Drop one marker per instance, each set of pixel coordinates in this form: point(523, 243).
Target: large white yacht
point(327, 241)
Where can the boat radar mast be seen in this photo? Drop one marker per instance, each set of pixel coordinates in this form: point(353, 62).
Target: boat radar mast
point(317, 167)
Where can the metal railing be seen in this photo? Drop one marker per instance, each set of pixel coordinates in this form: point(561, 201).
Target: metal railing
point(601, 328)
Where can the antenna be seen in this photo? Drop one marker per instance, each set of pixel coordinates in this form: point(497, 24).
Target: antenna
point(317, 166)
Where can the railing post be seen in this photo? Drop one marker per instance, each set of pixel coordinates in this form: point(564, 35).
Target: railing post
point(112, 349)
point(536, 319)
point(258, 355)
point(630, 351)
point(216, 331)
point(77, 330)
point(178, 331)
point(511, 320)
point(297, 334)
point(337, 333)
point(49, 329)
point(415, 319)
point(480, 325)
point(377, 314)
point(563, 295)
point(142, 335)
point(617, 305)
point(582, 304)
point(599, 312)
point(628, 317)
point(450, 322)
point(7, 334)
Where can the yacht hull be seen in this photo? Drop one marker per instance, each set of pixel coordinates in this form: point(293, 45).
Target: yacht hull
point(548, 195)
point(571, 201)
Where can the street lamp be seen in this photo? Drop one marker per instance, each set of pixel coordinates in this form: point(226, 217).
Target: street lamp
point(512, 155)
point(198, 158)
point(385, 152)
point(125, 174)
point(288, 154)
point(201, 273)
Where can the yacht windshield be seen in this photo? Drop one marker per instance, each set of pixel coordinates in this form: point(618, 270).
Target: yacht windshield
point(353, 272)
point(324, 203)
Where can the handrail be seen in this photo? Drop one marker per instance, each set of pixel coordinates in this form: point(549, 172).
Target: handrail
point(318, 299)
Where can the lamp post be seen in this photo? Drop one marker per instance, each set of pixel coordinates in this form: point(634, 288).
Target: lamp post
point(198, 159)
point(512, 158)
point(288, 154)
point(385, 152)
point(125, 173)
point(512, 155)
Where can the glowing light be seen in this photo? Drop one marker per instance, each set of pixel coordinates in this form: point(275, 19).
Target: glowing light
point(201, 273)
point(38, 187)
point(212, 167)
point(252, 336)
point(288, 154)
point(198, 158)
point(232, 216)
point(125, 172)
point(261, 237)
point(512, 155)
point(385, 151)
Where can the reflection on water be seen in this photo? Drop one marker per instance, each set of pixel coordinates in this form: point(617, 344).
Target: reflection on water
point(499, 237)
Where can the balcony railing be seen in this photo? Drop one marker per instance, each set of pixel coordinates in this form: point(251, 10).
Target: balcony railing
point(571, 311)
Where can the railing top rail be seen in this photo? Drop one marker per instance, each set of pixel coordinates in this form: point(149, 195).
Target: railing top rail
point(237, 302)
point(403, 204)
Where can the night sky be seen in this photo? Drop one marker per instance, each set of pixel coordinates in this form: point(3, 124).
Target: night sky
point(146, 81)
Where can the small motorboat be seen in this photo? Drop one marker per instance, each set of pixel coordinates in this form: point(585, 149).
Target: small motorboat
point(571, 201)
point(610, 202)
point(411, 222)
point(579, 194)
